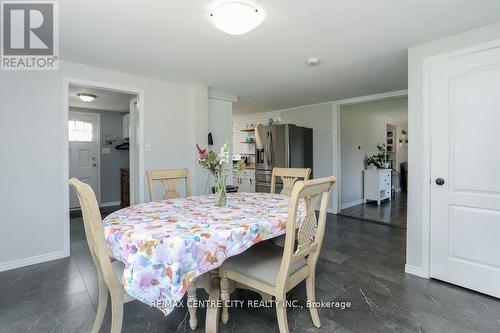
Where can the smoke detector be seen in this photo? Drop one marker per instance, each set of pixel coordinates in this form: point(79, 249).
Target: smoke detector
point(313, 61)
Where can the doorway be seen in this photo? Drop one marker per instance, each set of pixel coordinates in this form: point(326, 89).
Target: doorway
point(99, 143)
point(373, 158)
point(104, 128)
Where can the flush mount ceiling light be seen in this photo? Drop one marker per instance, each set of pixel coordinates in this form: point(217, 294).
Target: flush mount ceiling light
point(86, 97)
point(237, 17)
point(313, 61)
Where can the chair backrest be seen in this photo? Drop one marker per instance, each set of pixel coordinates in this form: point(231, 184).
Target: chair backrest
point(306, 240)
point(169, 180)
point(94, 232)
point(288, 176)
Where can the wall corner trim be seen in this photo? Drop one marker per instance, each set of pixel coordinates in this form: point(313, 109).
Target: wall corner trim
point(417, 271)
point(6, 266)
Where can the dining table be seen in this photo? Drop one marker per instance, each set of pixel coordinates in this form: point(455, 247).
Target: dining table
point(169, 245)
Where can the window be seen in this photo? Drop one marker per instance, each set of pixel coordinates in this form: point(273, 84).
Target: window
point(80, 131)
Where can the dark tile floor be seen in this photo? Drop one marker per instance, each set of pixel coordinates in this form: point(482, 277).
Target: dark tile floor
point(360, 262)
point(392, 212)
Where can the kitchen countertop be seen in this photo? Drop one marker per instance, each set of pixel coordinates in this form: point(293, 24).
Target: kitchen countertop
point(248, 167)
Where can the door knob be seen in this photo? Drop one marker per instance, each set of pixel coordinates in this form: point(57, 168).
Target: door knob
point(440, 181)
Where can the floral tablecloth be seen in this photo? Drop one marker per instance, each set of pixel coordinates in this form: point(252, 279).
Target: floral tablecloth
point(166, 244)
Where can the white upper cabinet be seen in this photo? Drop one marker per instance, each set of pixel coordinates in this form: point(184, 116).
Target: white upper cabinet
point(125, 126)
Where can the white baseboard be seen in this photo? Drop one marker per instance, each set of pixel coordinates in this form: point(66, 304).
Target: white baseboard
point(109, 204)
point(6, 266)
point(351, 204)
point(416, 271)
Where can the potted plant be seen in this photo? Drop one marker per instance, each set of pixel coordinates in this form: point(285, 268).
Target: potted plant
point(379, 160)
point(373, 162)
point(215, 163)
point(384, 155)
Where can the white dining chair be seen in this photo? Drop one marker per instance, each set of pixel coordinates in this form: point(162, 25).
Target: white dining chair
point(110, 271)
point(275, 270)
point(288, 178)
point(169, 179)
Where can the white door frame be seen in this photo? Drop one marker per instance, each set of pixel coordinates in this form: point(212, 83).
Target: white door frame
point(98, 151)
point(337, 105)
point(426, 153)
point(138, 177)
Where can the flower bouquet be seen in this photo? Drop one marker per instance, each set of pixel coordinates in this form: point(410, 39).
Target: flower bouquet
point(215, 163)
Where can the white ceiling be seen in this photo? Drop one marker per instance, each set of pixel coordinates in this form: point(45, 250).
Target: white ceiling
point(362, 44)
point(106, 100)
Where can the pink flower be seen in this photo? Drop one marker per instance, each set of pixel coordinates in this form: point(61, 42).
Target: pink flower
point(202, 152)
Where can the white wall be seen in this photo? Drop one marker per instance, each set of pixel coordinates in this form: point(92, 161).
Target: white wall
point(365, 125)
point(417, 247)
point(319, 117)
point(220, 122)
point(34, 226)
point(200, 120)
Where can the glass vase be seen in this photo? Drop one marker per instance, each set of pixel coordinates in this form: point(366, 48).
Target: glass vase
point(220, 190)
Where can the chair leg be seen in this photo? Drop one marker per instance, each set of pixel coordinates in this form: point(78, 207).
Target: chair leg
point(281, 313)
point(213, 312)
point(191, 303)
point(224, 296)
point(116, 311)
point(101, 307)
point(311, 296)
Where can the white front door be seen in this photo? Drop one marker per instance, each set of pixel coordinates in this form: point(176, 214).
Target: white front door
point(464, 98)
point(83, 136)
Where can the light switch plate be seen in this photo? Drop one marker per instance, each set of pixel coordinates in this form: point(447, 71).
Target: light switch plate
point(148, 146)
point(105, 151)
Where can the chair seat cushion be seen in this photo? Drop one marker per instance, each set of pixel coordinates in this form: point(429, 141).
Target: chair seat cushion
point(261, 262)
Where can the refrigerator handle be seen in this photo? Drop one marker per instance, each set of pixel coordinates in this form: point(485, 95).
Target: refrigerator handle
point(269, 148)
point(287, 146)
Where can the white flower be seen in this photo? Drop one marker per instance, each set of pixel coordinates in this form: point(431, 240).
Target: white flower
point(224, 153)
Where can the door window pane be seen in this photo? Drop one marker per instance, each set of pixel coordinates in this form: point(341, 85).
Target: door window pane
point(80, 131)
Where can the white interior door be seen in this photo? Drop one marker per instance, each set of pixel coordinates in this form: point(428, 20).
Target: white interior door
point(84, 157)
point(464, 98)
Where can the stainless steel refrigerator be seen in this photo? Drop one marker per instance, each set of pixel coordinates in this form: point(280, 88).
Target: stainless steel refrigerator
point(280, 146)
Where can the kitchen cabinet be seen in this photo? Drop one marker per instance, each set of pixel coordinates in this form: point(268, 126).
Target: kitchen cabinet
point(126, 126)
point(245, 180)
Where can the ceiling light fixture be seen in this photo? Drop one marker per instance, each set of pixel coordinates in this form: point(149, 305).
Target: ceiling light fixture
point(86, 97)
point(237, 17)
point(313, 61)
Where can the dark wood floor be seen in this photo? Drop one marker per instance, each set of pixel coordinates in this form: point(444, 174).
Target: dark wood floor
point(362, 263)
point(392, 212)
